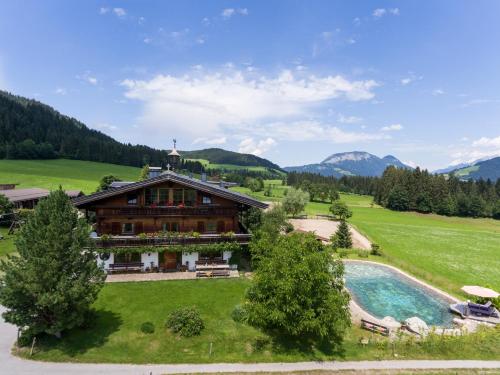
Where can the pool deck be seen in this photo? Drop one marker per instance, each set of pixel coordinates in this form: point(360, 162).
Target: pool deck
point(358, 313)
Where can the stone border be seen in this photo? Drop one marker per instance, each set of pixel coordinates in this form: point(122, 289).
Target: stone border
point(359, 313)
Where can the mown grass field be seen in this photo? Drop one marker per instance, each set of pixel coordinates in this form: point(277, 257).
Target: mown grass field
point(115, 336)
point(449, 252)
point(70, 174)
point(7, 244)
point(230, 167)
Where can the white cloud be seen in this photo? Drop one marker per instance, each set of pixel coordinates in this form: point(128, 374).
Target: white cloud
point(437, 92)
point(147, 40)
point(250, 146)
point(104, 10)
point(480, 101)
point(105, 126)
point(205, 21)
point(211, 141)
point(356, 21)
point(60, 91)
point(231, 103)
point(87, 77)
point(487, 142)
point(393, 127)
point(230, 12)
point(406, 81)
point(379, 12)
point(411, 78)
point(349, 119)
point(120, 12)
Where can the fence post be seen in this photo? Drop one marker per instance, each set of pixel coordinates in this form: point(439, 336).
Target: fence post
point(32, 346)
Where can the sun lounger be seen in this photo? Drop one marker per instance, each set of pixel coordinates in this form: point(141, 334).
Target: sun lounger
point(483, 310)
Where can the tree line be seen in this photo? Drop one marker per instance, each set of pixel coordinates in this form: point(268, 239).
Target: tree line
point(410, 190)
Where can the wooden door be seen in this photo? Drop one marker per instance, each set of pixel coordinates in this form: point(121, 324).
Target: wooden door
point(170, 260)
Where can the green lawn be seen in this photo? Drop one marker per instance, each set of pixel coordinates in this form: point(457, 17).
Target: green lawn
point(71, 174)
point(7, 244)
point(449, 252)
point(115, 336)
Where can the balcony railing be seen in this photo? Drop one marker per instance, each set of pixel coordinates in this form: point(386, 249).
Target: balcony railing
point(167, 211)
point(204, 239)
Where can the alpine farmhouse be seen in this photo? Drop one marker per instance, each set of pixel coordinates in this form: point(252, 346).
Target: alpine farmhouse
point(167, 222)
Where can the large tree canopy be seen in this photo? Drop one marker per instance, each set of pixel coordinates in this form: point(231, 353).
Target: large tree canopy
point(298, 291)
point(51, 285)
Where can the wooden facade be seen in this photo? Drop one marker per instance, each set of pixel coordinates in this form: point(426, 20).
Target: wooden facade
point(140, 213)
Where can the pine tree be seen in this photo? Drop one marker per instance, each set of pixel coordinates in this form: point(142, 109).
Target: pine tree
point(51, 285)
point(342, 238)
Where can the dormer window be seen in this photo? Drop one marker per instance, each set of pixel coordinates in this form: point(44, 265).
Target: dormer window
point(206, 199)
point(132, 199)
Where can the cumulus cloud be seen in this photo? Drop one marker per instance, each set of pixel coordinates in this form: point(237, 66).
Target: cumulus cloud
point(437, 92)
point(487, 142)
point(211, 141)
point(87, 77)
point(105, 126)
point(119, 12)
point(393, 127)
point(481, 148)
point(412, 77)
point(227, 13)
point(380, 12)
point(349, 119)
point(251, 146)
point(61, 91)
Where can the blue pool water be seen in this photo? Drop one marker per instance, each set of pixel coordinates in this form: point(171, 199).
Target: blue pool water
point(382, 291)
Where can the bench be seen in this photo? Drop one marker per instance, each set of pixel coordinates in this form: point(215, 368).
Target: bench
point(214, 273)
point(133, 266)
point(374, 327)
point(208, 261)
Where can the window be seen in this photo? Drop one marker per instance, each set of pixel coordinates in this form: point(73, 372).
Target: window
point(151, 196)
point(128, 228)
point(127, 257)
point(132, 199)
point(170, 227)
point(206, 200)
point(189, 197)
point(211, 227)
point(177, 197)
point(163, 193)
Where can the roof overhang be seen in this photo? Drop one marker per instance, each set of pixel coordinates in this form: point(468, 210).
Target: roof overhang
point(170, 176)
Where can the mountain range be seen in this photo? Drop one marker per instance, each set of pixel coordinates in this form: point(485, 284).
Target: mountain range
point(355, 163)
point(485, 169)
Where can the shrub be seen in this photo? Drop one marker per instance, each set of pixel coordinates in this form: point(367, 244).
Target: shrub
point(343, 253)
point(147, 328)
point(362, 253)
point(239, 314)
point(25, 339)
point(376, 250)
point(186, 321)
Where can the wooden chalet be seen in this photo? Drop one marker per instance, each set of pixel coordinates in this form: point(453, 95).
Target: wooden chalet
point(166, 210)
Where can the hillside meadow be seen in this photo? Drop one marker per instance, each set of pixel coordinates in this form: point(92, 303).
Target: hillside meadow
point(70, 174)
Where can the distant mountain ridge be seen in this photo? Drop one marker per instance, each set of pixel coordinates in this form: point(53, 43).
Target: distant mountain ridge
point(355, 163)
point(486, 169)
point(33, 130)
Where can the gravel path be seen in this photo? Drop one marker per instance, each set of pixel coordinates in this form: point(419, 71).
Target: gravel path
point(12, 365)
point(325, 228)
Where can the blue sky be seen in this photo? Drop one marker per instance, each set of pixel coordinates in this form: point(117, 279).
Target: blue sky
point(292, 81)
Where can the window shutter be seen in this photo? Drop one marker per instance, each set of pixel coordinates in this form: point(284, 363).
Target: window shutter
point(116, 228)
point(138, 228)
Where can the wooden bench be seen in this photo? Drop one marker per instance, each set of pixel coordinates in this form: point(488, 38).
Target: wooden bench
point(133, 266)
point(374, 327)
point(214, 273)
point(208, 261)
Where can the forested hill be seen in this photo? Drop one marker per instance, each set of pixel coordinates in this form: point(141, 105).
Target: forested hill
point(33, 130)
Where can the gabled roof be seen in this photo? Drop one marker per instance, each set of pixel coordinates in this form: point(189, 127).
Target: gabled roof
point(173, 177)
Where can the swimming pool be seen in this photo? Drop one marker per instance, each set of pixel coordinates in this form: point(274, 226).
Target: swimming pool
point(383, 291)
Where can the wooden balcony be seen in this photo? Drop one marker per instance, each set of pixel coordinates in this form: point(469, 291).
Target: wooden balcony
point(204, 239)
point(167, 211)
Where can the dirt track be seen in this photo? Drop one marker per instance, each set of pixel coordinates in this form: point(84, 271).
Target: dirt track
point(325, 228)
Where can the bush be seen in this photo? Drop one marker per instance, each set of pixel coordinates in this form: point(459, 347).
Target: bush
point(239, 314)
point(25, 339)
point(376, 250)
point(147, 328)
point(343, 253)
point(362, 253)
point(186, 321)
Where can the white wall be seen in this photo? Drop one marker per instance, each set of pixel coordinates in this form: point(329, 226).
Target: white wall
point(106, 263)
point(147, 258)
point(191, 258)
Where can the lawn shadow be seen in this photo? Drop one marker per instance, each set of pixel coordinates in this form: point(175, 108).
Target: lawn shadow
point(99, 325)
point(314, 348)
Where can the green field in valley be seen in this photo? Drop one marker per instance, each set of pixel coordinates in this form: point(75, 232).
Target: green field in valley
point(231, 167)
point(115, 336)
point(70, 174)
point(449, 252)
